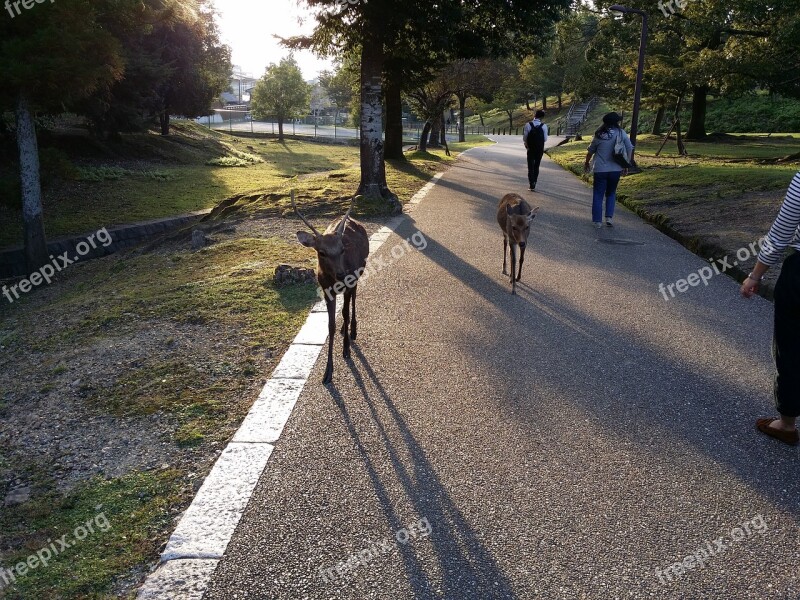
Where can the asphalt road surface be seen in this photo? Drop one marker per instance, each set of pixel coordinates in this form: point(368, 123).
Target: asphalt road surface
point(575, 441)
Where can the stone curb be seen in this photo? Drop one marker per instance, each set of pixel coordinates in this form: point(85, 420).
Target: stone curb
point(199, 541)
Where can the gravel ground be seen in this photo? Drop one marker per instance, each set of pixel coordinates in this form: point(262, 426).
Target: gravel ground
point(570, 442)
point(49, 428)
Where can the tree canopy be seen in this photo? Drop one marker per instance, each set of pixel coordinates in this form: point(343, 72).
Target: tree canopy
point(281, 93)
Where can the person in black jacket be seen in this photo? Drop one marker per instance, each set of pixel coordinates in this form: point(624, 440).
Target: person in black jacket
point(534, 134)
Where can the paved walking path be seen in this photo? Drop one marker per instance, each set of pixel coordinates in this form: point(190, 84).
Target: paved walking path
point(564, 443)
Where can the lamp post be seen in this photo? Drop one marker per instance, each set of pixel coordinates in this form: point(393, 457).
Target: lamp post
point(618, 8)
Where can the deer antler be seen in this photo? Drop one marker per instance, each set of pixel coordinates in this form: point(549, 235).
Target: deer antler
point(299, 214)
point(347, 215)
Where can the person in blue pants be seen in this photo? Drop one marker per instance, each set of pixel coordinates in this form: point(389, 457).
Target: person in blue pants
point(607, 171)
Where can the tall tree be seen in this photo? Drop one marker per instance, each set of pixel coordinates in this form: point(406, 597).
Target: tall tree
point(198, 65)
point(51, 56)
point(385, 29)
point(281, 93)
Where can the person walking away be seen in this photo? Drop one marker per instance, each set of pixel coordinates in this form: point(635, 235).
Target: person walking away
point(784, 233)
point(534, 135)
point(607, 171)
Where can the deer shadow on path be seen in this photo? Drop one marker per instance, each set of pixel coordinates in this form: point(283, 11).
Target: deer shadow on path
point(466, 568)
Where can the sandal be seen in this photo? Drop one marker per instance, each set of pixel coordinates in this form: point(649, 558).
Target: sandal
point(787, 437)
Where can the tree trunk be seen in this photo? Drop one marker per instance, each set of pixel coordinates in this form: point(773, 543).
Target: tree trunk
point(510, 119)
point(697, 125)
point(544, 101)
point(462, 103)
point(394, 118)
point(423, 138)
point(164, 119)
point(681, 148)
point(559, 101)
point(280, 129)
point(480, 116)
point(36, 253)
point(659, 122)
point(433, 138)
point(373, 168)
point(528, 104)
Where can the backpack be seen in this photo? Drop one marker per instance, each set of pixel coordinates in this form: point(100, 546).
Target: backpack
point(536, 137)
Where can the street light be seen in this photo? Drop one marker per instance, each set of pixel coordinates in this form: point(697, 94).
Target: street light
point(618, 8)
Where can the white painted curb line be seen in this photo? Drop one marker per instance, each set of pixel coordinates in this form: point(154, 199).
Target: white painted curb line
point(198, 543)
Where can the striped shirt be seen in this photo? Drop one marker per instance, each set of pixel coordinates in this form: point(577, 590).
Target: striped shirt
point(785, 231)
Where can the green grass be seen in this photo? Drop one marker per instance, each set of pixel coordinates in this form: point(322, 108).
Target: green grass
point(195, 169)
point(711, 171)
point(125, 513)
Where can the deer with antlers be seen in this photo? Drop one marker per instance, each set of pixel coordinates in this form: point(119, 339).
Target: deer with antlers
point(341, 259)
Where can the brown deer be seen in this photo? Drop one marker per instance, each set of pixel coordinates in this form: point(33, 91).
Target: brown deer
point(514, 216)
point(341, 259)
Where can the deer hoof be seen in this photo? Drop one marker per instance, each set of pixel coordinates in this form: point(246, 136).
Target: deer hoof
point(346, 353)
point(328, 376)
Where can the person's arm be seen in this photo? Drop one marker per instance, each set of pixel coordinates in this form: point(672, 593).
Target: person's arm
point(525, 132)
point(590, 152)
point(545, 130)
point(780, 235)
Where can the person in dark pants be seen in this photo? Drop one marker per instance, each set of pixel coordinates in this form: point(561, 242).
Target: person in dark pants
point(785, 232)
point(534, 134)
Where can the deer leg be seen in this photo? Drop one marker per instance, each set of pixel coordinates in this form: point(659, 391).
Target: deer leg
point(331, 306)
point(353, 324)
point(513, 268)
point(346, 350)
point(505, 247)
point(521, 260)
point(345, 313)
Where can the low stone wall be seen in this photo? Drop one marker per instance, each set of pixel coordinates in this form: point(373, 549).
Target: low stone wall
point(12, 261)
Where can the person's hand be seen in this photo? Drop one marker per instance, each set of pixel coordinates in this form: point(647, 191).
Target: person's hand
point(749, 287)
point(624, 172)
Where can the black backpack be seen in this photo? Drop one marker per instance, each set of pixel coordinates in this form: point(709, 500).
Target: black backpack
point(536, 137)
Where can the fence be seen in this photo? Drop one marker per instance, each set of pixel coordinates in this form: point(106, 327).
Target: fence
point(239, 120)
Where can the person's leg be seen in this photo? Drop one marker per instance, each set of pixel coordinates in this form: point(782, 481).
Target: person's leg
point(786, 344)
point(537, 161)
point(611, 193)
point(531, 168)
point(599, 192)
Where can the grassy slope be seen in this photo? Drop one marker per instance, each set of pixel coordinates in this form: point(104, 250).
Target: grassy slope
point(499, 118)
point(223, 295)
point(718, 199)
point(148, 176)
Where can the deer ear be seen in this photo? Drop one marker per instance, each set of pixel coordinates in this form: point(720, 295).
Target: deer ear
point(305, 238)
point(532, 214)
